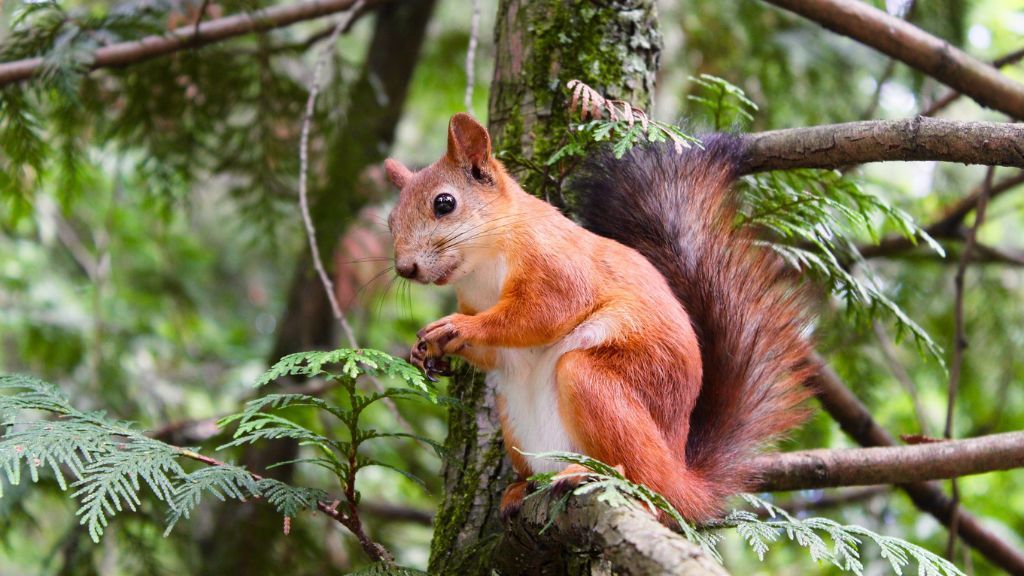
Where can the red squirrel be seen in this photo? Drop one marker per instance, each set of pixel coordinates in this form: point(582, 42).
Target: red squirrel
point(662, 340)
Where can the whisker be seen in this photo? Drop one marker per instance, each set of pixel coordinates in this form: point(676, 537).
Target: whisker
point(366, 284)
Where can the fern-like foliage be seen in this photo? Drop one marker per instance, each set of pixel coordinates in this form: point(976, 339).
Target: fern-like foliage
point(111, 466)
point(813, 216)
point(109, 460)
point(726, 103)
point(814, 534)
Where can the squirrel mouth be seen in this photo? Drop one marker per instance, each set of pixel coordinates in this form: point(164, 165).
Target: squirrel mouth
point(446, 276)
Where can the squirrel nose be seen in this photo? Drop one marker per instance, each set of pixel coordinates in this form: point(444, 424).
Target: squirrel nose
point(407, 269)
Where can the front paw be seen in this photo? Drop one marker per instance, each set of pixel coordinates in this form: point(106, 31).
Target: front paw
point(444, 336)
point(434, 342)
point(431, 365)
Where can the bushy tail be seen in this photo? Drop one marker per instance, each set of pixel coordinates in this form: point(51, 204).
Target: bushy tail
point(679, 211)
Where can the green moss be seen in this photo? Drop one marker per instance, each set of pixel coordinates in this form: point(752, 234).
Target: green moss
point(612, 47)
point(451, 553)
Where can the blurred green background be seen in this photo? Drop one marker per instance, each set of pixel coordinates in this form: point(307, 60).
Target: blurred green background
point(149, 237)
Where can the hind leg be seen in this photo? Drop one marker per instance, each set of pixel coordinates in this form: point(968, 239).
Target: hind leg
point(607, 420)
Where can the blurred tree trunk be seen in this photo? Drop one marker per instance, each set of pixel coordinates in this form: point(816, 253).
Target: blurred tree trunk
point(307, 323)
point(540, 45)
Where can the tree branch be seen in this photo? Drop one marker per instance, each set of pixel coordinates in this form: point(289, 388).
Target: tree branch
point(189, 36)
point(630, 539)
point(947, 225)
point(855, 419)
point(829, 468)
point(916, 48)
point(918, 138)
point(941, 103)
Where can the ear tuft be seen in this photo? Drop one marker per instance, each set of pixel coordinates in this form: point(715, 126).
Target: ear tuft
point(469, 144)
point(397, 172)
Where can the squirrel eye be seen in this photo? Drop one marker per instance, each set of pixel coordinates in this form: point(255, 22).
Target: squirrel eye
point(444, 204)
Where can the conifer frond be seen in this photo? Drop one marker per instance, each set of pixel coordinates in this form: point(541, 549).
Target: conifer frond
point(112, 464)
point(626, 126)
point(813, 215)
point(352, 364)
point(725, 102)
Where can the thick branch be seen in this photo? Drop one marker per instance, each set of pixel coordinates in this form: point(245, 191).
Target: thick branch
point(189, 36)
point(628, 540)
point(855, 419)
point(919, 138)
point(916, 48)
point(890, 465)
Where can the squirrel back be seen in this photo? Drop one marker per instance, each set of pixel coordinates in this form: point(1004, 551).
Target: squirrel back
point(679, 211)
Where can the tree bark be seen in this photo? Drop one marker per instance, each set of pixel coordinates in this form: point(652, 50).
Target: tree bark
point(918, 138)
point(590, 536)
point(828, 468)
point(307, 322)
point(916, 48)
point(540, 46)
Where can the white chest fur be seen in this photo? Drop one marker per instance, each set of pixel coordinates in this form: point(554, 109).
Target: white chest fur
point(525, 377)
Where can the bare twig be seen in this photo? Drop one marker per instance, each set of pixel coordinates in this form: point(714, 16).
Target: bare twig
point(474, 38)
point(901, 375)
point(876, 97)
point(185, 37)
point(840, 497)
point(916, 48)
point(397, 513)
point(199, 18)
point(307, 219)
point(960, 343)
point(951, 96)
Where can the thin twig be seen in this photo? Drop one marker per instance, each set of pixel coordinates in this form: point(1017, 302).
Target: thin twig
point(185, 37)
point(960, 342)
point(307, 120)
point(900, 373)
point(474, 37)
point(199, 18)
point(952, 95)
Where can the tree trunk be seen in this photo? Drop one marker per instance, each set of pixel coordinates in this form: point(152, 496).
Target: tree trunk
point(307, 322)
point(540, 45)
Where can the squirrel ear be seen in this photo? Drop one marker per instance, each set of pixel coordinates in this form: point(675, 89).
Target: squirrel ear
point(468, 141)
point(397, 172)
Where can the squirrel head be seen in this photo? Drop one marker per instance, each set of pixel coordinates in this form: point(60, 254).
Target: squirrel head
point(441, 222)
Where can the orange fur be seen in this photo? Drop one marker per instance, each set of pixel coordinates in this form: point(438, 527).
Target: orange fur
point(590, 347)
